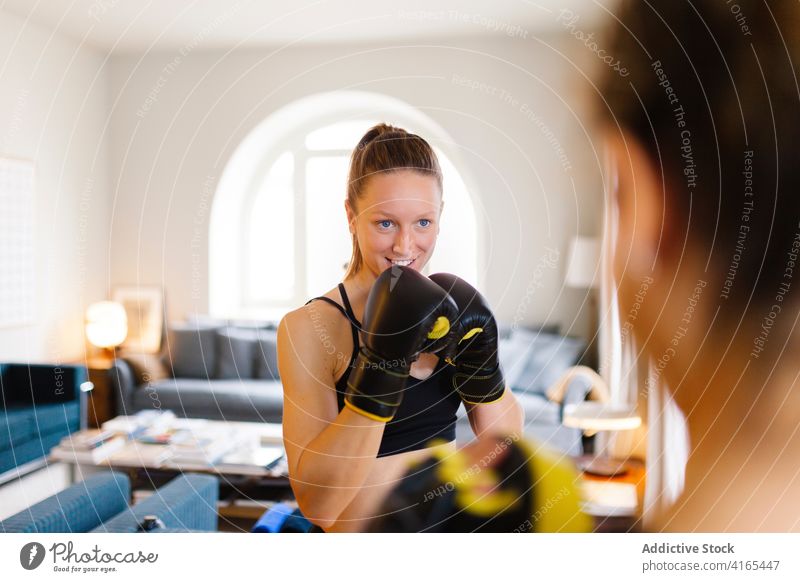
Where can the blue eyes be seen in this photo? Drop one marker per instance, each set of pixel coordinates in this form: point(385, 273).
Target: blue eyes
point(424, 222)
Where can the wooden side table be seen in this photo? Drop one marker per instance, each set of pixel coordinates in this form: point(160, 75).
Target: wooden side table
point(635, 476)
point(101, 405)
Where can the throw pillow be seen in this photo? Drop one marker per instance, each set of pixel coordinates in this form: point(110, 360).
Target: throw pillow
point(236, 349)
point(191, 350)
point(147, 368)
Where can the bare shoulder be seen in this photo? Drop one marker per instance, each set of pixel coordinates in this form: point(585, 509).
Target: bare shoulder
point(316, 336)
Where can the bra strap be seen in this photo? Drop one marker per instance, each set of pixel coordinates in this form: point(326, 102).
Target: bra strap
point(353, 326)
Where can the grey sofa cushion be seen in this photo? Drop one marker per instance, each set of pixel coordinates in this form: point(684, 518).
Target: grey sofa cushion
point(191, 351)
point(236, 350)
point(235, 400)
point(267, 355)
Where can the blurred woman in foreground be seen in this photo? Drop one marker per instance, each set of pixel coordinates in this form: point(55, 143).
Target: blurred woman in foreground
point(702, 178)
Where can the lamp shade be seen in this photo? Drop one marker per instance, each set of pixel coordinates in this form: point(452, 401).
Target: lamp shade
point(597, 416)
point(583, 263)
point(106, 324)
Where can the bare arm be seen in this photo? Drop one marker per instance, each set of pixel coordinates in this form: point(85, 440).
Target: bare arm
point(504, 416)
point(330, 453)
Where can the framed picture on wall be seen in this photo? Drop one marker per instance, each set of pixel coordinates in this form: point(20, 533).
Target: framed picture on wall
point(144, 308)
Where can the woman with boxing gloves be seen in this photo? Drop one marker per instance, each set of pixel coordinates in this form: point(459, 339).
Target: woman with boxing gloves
point(375, 369)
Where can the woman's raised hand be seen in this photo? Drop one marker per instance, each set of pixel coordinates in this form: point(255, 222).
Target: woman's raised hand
point(478, 377)
point(406, 314)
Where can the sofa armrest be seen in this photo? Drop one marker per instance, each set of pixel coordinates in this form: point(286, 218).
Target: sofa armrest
point(77, 509)
point(188, 502)
point(32, 384)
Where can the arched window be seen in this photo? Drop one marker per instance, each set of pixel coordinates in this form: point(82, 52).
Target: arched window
point(278, 230)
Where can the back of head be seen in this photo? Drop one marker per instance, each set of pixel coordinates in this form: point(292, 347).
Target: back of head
point(711, 92)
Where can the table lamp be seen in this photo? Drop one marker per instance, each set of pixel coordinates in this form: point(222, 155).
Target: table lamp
point(106, 325)
point(583, 269)
point(592, 417)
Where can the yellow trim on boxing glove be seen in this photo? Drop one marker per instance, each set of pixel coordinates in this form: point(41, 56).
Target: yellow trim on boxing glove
point(502, 395)
point(470, 333)
point(369, 415)
point(441, 327)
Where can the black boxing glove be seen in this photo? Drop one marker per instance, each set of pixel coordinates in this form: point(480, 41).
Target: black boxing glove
point(406, 314)
point(478, 378)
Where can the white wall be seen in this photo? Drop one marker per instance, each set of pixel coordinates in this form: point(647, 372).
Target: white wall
point(53, 111)
point(178, 116)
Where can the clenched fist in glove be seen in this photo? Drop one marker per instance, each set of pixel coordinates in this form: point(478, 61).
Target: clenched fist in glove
point(406, 314)
point(477, 377)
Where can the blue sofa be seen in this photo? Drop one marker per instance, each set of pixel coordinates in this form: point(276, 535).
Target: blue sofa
point(40, 405)
point(100, 505)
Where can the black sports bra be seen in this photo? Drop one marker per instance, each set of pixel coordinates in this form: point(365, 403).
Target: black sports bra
point(429, 406)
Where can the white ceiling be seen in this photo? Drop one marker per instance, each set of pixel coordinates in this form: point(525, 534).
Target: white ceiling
point(146, 25)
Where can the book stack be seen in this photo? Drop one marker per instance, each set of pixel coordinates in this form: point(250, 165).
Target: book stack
point(91, 446)
point(141, 422)
point(137, 454)
point(201, 447)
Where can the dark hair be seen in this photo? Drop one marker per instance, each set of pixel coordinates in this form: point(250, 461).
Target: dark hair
point(712, 94)
point(385, 148)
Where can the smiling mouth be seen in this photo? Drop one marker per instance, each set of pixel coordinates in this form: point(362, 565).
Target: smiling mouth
point(405, 263)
